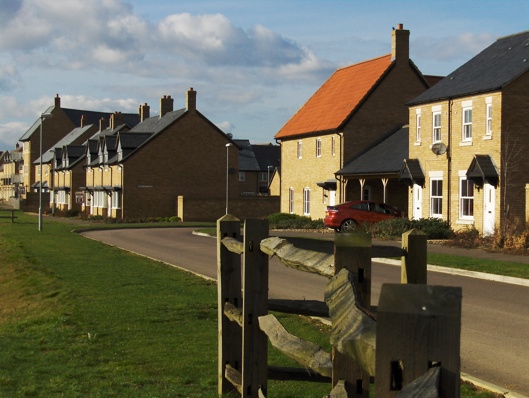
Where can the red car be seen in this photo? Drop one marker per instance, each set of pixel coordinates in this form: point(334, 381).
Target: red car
point(346, 216)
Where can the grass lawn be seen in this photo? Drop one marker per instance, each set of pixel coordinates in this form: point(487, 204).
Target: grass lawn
point(79, 318)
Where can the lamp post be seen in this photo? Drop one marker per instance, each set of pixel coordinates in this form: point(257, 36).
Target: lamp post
point(43, 116)
point(227, 172)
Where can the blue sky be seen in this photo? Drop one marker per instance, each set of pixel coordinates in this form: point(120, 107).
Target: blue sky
point(252, 63)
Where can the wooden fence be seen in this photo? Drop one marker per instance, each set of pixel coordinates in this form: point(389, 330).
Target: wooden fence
point(408, 346)
point(11, 216)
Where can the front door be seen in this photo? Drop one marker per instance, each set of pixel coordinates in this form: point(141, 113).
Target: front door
point(488, 209)
point(332, 198)
point(417, 202)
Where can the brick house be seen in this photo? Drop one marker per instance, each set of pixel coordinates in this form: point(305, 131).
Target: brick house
point(162, 166)
point(62, 122)
point(356, 106)
point(256, 166)
point(469, 139)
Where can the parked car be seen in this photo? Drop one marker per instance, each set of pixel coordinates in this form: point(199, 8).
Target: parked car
point(346, 216)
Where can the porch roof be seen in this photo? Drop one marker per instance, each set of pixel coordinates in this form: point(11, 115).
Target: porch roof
point(482, 170)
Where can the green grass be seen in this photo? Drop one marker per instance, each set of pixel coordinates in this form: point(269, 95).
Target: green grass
point(79, 318)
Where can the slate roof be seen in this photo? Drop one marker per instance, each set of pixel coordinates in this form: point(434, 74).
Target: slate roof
point(73, 137)
point(491, 70)
point(257, 157)
point(384, 156)
point(157, 124)
point(332, 104)
point(247, 159)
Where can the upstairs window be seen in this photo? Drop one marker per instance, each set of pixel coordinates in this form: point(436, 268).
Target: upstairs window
point(467, 124)
point(291, 200)
point(318, 147)
point(418, 129)
point(242, 176)
point(488, 130)
point(300, 149)
point(436, 135)
point(333, 145)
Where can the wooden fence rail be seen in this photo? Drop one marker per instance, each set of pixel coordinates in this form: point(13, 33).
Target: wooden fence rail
point(409, 344)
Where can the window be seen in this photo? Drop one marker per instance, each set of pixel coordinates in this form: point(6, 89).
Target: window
point(333, 145)
point(306, 201)
point(467, 124)
point(318, 147)
point(242, 176)
point(436, 127)
point(466, 204)
point(116, 200)
point(61, 197)
point(300, 149)
point(291, 200)
point(488, 130)
point(263, 176)
point(436, 197)
point(418, 129)
point(366, 193)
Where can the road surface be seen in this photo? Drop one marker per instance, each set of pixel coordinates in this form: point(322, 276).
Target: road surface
point(495, 316)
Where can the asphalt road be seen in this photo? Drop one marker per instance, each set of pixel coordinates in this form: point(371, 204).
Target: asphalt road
point(495, 316)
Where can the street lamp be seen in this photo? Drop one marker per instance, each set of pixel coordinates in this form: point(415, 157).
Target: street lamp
point(43, 116)
point(227, 172)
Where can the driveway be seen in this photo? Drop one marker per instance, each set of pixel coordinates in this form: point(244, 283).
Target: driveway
point(495, 316)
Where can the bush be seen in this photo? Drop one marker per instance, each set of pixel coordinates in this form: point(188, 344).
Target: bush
point(293, 221)
point(434, 228)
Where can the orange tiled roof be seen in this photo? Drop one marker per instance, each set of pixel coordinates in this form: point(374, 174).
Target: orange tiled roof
point(330, 106)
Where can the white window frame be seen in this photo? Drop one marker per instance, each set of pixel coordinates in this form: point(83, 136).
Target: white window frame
point(466, 128)
point(436, 201)
point(418, 128)
point(291, 200)
point(300, 149)
point(466, 199)
point(116, 200)
point(318, 147)
point(333, 145)
point(263, 176)
point(436, 128)
point(488, 128)
point(306, 201)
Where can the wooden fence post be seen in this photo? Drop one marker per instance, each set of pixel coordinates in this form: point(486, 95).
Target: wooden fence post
point(255, 304)
point(418, 327)
point(352, 251)
point(229, 291)
point(413, 263)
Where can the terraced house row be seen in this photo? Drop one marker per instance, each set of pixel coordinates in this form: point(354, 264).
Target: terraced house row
point(176, 163)
point(453, 148)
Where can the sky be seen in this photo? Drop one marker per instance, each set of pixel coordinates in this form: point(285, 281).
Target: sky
point(253, 63)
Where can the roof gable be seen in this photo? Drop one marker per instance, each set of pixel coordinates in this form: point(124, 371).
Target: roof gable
point(491, 70)
point(337, 98)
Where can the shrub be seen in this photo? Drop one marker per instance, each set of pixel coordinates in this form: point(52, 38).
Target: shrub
point(434, 228)
point(293, 221)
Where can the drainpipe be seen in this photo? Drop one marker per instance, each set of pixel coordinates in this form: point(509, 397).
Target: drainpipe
point(449, 161)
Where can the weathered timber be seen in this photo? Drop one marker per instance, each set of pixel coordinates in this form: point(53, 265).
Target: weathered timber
point(379, 251)
point(234, 377)
point(426, 386)
point(338, 391)
point(300, 307)
point(229, 278)
point(413, 263)
point(417, 326)
point(233, 313)
point(303, 352)
point(304, 260)
point(233, 245)
point(255, 304)
point(353, 331)
point(297, 374)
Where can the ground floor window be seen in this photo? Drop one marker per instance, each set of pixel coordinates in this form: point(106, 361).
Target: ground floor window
point(291, 200)
point(116, 200)
point(436, 197)
point(62, 197)
point(306, 201)
point(466, 199)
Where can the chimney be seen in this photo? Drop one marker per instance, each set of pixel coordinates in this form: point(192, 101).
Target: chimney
point(102, 124)
point(191, 104)
point(116, 119)
point(166, 105)
point(144, 111)
point(57, 101)
point(83, 120)
point(400, 44)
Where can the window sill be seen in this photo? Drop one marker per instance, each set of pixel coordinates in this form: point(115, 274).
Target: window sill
point(463, 221)
point(417, 143)
point(465, 143)
point(487, 137)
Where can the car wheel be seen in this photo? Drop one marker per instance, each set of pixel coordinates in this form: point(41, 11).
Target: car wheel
point(348, 226)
